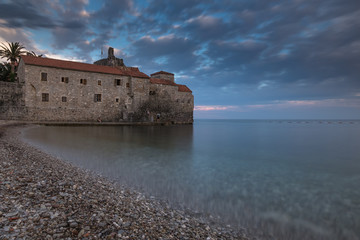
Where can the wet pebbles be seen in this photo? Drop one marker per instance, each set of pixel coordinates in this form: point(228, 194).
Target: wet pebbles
point(42, 197)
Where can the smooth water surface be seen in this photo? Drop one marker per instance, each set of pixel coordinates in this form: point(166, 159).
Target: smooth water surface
point(289, 179)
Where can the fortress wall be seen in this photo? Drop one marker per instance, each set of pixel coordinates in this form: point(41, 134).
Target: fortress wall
point(164, 76)
point(12, 104)
point(63, 97)
point(80, 104)
point(172, 105)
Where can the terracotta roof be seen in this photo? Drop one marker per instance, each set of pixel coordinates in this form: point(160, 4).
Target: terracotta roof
point(162, 81)
point(162, 72)
point(85, 67)
point(181, 88)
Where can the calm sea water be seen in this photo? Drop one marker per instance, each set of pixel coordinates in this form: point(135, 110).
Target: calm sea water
point(286, 179)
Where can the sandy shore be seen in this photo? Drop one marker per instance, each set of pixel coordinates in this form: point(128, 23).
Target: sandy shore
point(42, 197)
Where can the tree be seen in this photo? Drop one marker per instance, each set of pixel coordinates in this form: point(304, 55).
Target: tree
point(5, 73)
point(32, 53)
point(12, 52)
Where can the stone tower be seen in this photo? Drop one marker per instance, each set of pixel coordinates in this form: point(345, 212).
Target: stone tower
point(111, 60)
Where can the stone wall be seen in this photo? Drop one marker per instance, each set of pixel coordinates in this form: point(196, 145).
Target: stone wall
point(80, 105)
point(165, 76)
point(172, 106)
point(69, 95)
point(12, 104)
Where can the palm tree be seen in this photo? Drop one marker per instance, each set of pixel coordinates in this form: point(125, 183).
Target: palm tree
point(12, 53)
point(32, 53)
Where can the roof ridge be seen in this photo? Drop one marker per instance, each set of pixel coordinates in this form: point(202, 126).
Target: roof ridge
point(79, 66)
point(162, 72)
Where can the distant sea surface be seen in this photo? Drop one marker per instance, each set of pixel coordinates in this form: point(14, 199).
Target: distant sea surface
point(292, 179)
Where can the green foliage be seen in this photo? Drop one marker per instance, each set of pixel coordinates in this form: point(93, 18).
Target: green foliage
point(6, 74)
point(12, 51)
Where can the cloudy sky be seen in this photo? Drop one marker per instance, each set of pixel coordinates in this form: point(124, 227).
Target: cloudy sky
point(243, 59)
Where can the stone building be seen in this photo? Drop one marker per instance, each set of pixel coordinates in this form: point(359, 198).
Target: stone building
point(57, 90)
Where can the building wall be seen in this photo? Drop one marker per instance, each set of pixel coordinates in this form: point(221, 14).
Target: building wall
point(80, 104)
point(164, 76)
point(129, 101)
point(172, 105)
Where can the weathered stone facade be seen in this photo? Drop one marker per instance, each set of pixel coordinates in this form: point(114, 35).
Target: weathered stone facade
point(12, 101)
point(55, 90)
point(164, 75)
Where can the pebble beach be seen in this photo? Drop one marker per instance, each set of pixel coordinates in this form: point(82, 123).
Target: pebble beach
point(43, 197)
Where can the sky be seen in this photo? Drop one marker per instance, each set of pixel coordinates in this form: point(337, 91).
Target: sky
point(254, 59)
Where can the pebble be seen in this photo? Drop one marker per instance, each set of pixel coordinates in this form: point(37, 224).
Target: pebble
point(42, 197)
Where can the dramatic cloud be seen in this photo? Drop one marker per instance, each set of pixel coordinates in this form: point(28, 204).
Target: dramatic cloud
point(230, 53)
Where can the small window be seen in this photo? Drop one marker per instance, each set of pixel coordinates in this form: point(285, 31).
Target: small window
point(99, 82)
point(117, 82)
point(45, 97)
point(43, 76)
point(116, 99)
point(83, 81)
point(64, 99)
point(127, 85)
point(152, 93)
point(65, 79)
point(97, 98)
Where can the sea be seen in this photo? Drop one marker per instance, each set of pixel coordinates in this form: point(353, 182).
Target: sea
point(277, 179)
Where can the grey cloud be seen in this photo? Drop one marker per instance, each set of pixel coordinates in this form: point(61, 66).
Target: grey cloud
point(21, 13)
point(177, 51)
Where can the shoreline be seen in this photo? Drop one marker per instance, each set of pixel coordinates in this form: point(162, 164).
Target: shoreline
point(44, 197)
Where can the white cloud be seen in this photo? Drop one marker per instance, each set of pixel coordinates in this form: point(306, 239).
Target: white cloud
point(204, 21)
point(63, 57)
point(214, 108)
point(308, 103)
point(84, 13)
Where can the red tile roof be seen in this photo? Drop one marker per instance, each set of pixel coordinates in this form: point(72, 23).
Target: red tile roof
point(85, 67)
point(162, 72)
point(162, 81)
point(181, 88)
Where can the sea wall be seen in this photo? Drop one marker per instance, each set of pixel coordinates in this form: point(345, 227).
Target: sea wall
point(171, 104)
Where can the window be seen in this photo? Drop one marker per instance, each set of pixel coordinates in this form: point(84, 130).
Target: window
point(99, 82)
point(97, 98)
point(43, 76)
point(152, 93)
point(45, 97)
point(64, 99)
point(117, 82)
point(83, 81)
point(127, 85)
point(116, 99)
point(65, 79)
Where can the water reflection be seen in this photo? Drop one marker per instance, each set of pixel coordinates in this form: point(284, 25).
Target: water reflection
point(294, 179)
